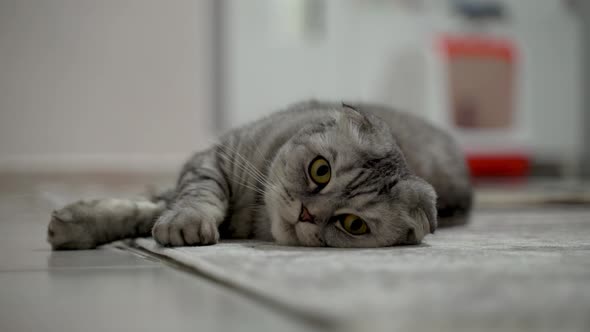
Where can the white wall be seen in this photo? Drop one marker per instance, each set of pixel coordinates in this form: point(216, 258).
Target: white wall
point(585, 13)
point(271, 62)
point(115, 84)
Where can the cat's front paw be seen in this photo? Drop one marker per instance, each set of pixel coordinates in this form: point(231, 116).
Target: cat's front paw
point(69, 228)
point(185, 227)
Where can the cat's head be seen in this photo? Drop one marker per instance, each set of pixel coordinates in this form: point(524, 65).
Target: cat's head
point(343, 182)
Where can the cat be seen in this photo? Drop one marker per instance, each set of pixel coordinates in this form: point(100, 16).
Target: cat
point(315, 174)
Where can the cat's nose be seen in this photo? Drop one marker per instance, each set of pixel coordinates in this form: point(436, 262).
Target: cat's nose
point(305, 216)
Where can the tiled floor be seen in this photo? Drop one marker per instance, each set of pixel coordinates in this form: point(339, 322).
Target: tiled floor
point(530, 268)
point(508, 270)
point(103, 290)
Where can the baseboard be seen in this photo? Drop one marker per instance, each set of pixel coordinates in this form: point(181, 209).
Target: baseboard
point(89, 163)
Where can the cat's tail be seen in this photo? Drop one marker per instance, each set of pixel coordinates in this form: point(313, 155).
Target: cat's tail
point(90, 223)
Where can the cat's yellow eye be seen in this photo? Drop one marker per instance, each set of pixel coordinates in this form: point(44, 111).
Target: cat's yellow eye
point(319, 171)
point(354, 224)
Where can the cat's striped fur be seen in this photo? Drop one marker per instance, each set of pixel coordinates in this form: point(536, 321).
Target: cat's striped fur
point(253, 184)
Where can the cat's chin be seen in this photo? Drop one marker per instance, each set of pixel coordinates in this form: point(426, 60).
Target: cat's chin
point(282, 230)
point(308, 235)
point(283, 221)
point(285, 227)
point(298, 234)
point(284, 233)
point(295, 233)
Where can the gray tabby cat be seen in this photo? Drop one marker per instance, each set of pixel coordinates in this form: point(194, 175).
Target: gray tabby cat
point(316, 174)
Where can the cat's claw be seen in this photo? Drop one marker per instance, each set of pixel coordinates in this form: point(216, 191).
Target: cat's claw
point(185, 227)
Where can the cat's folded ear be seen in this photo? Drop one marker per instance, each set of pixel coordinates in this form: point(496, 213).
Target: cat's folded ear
point(354, 113)
point(420, 200)
point(359, 121)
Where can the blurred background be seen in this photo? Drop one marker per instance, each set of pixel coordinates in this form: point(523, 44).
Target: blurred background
point(136, 85)
point(100, 97)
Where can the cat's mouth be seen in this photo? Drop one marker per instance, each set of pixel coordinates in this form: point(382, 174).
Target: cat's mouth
point(294, 224)
point(308, 235)
point(306, 229)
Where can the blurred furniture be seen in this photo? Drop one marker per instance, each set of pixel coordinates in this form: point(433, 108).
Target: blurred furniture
point(275, 53)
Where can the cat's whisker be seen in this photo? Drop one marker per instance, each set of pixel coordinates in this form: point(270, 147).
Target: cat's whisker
point(248, 185)
point(237, 154)
point(263, 182)
point(257, 190)
point(251, 170)
point(268, 162)
point(249, 167)
point(259, 175)
point(281, 192)
point(246, 167)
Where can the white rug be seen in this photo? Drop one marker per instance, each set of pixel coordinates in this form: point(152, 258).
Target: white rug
point(512, 270)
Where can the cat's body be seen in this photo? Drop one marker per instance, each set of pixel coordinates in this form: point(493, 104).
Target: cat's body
point(315, 174)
